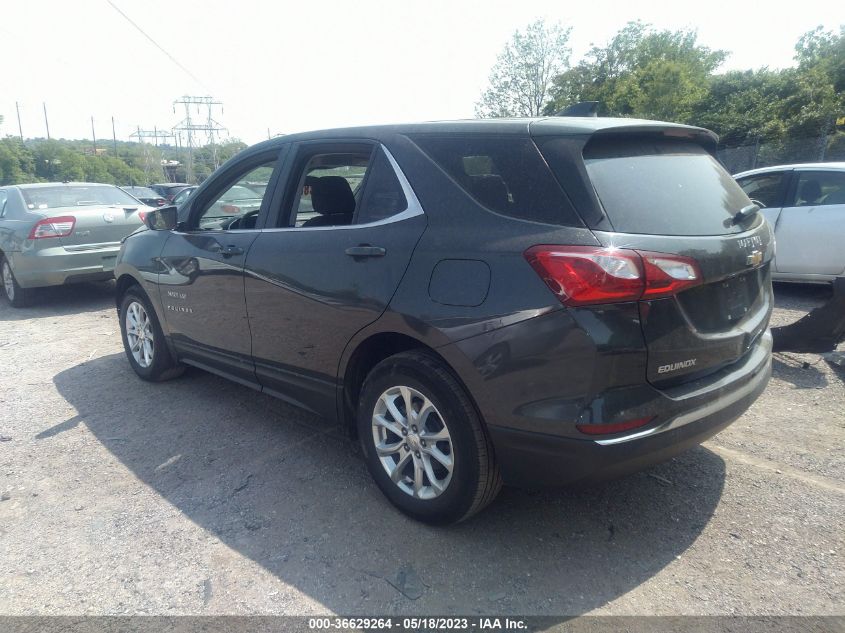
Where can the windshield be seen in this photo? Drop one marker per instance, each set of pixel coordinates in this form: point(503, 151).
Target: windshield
point(76, 196)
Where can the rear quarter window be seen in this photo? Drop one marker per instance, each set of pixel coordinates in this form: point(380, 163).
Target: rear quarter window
point(663, 187)
point(505, 174)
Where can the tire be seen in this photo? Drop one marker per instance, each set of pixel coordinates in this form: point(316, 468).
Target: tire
point(426, 489)
point(17, 297)
point(151, 359)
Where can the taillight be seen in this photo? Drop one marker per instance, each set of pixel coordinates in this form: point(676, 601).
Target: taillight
point(618, 427)
point(586, 275)
point(53, 227)
point(142, 215)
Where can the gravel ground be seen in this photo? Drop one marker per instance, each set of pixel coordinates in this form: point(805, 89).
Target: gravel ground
point(201, 497)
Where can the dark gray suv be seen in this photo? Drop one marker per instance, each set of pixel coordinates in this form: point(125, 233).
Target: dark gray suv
point(534, 301)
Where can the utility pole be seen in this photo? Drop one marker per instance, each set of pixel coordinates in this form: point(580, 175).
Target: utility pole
point(20, 129)
point(113, 136)
point(93, 135)
point(46, 122)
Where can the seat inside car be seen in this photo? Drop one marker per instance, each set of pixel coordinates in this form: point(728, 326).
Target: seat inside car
point(332, 198)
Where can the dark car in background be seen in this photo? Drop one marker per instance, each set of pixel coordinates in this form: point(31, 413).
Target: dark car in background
point(183, 195)
point(146, 195)
point(528, 301)
point(59, 233)
point(169, 190)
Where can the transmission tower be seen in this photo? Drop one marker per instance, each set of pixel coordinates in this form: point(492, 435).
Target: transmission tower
point(199, 128)
point(151, 162)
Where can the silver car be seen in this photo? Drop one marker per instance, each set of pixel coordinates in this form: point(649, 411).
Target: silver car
point(805, 204)
point(58, 233)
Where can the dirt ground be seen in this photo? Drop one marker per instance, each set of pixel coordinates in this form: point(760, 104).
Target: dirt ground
point(198, 496)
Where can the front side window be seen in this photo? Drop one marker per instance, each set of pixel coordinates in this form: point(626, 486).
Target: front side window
point(237, 206)
point(820, 188)
point(765, 189)
point(343, 186)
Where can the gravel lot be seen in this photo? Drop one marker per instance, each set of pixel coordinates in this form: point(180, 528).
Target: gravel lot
point(198, 496)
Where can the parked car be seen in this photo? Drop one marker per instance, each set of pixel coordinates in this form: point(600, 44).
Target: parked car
point(146, 195)
point(183, 195)
point(59, 233)
point(535, 301)
point(169, 190)
point(805, 205)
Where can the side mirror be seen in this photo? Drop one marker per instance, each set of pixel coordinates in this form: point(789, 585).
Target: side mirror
point(162, 219)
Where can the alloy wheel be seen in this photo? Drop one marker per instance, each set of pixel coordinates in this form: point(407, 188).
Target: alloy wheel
point(139, 334)
point(413, 442)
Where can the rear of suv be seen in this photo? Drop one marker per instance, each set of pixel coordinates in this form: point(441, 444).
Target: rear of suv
point(532, 301)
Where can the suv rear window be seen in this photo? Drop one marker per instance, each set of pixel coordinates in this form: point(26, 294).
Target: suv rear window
point(658, 186)
point(506, 175)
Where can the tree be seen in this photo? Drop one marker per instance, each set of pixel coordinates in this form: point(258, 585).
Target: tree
point(641, 72)
point(521, 79)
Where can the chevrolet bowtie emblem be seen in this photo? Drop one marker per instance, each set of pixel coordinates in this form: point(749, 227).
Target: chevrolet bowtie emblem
point(754, 259)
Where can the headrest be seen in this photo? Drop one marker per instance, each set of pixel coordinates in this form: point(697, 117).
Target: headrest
point(811, 190)
point(331, 195)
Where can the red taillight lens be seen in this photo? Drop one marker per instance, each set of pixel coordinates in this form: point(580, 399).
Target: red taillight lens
point(142, 215)
point(161, 202)
point(586, 275)
point(668, 274)
point(53, 227)
point(608, 429)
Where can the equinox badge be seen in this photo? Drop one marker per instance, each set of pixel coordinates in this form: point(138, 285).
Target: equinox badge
point(683, 364)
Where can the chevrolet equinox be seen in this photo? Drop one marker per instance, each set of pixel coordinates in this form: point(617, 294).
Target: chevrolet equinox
point(527, 301)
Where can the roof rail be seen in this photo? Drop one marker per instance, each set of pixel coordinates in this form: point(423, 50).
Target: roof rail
point(582, 108)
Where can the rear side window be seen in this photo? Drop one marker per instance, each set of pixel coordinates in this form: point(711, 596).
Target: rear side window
point(506, 175)
point(657, 186)
point(820, 188)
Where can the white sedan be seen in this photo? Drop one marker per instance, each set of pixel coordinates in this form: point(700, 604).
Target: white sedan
point(806, 206)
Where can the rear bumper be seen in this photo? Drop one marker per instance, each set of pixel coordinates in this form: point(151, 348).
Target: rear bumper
point(55, 266)
point(538, 459)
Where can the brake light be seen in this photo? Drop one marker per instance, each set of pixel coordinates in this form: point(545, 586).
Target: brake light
point(142, 215)
point(61, 226)
point(586, 275)
point(619, 427)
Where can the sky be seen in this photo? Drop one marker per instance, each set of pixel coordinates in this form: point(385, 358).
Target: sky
point(284, 67)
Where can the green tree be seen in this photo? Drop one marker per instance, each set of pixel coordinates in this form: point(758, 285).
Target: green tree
point(641, 72)
point(521, 79)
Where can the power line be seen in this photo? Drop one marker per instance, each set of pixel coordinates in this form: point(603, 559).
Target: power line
point(156, 44)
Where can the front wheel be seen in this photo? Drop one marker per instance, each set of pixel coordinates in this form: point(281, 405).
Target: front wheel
point(143, 339)
point(423, 440)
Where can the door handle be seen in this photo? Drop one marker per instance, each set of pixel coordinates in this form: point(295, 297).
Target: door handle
point(231, 249)
point(365, 250)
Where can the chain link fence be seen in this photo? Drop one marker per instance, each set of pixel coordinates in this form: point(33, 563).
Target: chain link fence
point(762, 153)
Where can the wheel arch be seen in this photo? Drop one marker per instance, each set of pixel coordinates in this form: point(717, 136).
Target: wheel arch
point(366, 355)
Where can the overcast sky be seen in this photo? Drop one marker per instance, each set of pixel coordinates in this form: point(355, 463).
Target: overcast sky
point(294, 66)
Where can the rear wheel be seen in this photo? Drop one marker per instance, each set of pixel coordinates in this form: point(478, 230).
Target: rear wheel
point(143, 339)
point(18, 297)
point(423, 441)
